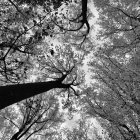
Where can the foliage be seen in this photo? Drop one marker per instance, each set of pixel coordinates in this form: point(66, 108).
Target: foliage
point(26, 28)
point(114, 96)
point(83, 130)
point(116, 99)
point(119, 21)
point(35, 117)
point(23, 28)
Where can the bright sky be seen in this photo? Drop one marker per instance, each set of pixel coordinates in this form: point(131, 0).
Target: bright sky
point(71, 123)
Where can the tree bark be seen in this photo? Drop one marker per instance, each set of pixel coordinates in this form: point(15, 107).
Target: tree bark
point(11, 94)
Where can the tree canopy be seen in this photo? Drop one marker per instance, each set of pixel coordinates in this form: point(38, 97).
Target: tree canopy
point(57, 62)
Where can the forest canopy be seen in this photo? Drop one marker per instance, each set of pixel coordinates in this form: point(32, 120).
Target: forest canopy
point(69, 60)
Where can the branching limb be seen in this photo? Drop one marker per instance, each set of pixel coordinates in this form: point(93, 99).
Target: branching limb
point(83, 21)
point(16, 8)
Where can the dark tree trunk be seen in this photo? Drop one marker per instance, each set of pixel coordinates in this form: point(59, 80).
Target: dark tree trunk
point(11, 94)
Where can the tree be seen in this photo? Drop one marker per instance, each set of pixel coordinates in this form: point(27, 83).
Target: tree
point(37, 117)
point(120, 26)
point(114, 96)
point(23, 30)
point(65, 78)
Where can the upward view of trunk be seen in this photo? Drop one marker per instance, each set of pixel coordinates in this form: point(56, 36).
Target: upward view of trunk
point(11, 94)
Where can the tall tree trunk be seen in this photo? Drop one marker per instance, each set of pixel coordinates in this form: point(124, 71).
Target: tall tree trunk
point(11, 94)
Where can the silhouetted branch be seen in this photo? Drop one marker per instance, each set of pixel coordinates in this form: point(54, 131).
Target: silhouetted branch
point(82, 22)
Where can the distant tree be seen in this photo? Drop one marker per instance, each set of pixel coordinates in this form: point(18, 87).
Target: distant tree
point(119, 22)
point(36, 117)
point(114, 98)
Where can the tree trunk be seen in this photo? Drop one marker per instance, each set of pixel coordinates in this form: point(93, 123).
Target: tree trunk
point(11, 94)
